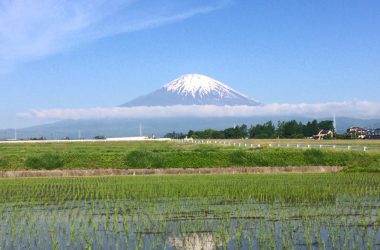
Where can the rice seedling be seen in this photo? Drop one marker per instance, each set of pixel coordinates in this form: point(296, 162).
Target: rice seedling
point(324, 211)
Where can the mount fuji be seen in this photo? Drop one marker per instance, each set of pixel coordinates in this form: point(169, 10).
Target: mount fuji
point(193, 89)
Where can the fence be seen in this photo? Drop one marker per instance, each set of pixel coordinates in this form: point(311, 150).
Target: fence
point(288, 145)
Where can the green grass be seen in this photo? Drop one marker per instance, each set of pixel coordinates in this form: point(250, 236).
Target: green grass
point(45, 161)
point(266, 142)
point(130, 155)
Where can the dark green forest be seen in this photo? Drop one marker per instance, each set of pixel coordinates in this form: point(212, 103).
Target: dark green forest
point(267, 130)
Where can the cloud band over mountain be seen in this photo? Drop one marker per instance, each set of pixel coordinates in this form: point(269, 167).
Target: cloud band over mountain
point(356, 109)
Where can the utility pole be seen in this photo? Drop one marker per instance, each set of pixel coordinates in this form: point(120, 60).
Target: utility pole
point(334, 124)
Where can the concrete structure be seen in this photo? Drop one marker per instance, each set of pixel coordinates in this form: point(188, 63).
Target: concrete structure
point(373, 133)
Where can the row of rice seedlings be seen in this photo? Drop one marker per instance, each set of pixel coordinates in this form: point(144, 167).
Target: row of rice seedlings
point(266, 231)
point(112, 219)
point(311, 188)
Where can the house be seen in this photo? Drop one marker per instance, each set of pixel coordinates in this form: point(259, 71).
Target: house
point(323, 134)
point(357, 132)
point(373, 133)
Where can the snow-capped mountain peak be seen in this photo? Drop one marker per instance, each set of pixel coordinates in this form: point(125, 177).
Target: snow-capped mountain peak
point(201, 85)
point(193, 89)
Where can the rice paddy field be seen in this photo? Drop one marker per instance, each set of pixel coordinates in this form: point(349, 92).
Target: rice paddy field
point(262, 211)
point(236, 211)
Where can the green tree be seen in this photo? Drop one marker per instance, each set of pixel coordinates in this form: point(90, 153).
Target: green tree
point(190, 133)
point(292, 129)
point(311, 128)
point(266, 130)
point(327, 125)
point(175, 135)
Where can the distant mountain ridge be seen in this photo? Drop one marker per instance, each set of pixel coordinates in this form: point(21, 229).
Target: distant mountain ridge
point(159, 127)
point(193, 89)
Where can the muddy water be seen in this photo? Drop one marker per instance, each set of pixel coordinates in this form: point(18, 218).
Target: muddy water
point(191, 224)
point(171, 171)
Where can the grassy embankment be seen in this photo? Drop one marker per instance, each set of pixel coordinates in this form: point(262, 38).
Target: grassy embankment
point(122, 155)
point(266, 142)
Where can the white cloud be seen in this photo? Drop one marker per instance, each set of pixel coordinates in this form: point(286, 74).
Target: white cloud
point(355, 109)
point(32, 29)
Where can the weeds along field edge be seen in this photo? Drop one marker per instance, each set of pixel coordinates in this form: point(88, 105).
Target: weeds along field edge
point(149, 155)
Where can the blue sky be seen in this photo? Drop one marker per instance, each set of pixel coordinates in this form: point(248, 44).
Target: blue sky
point(75, 55)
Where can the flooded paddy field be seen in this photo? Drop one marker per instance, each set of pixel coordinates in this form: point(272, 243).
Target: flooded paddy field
point(262, 211)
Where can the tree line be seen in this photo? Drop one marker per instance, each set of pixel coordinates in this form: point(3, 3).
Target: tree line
point(267, 130)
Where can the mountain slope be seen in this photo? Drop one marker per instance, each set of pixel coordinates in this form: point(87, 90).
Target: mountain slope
point(193, 89)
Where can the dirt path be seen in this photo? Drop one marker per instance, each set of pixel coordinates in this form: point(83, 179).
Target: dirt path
point(171, 171)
